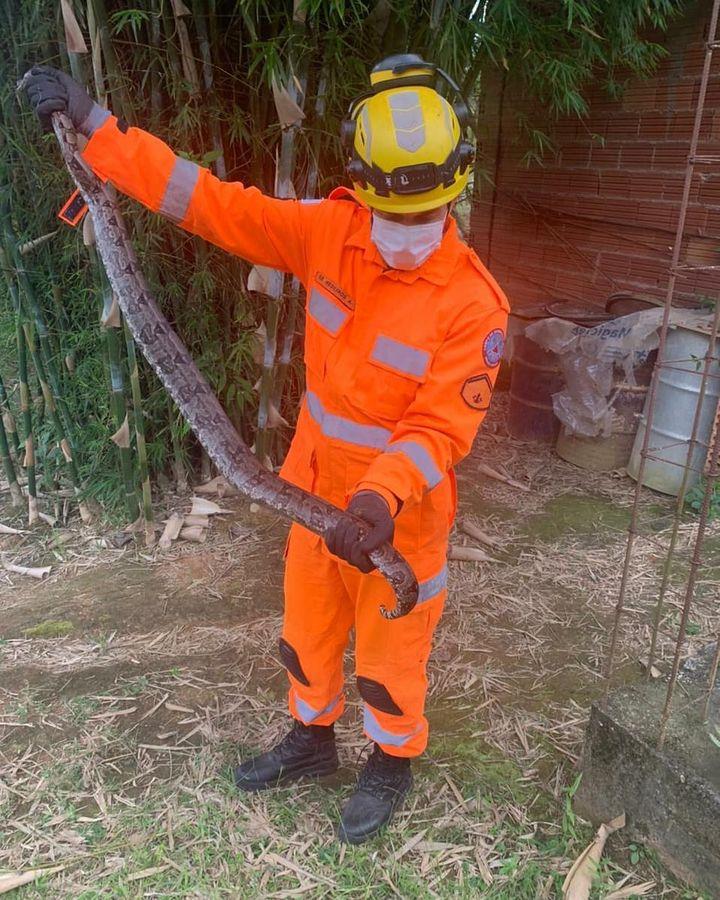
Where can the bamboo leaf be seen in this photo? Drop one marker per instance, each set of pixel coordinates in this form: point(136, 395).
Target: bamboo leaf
point(10, 881)
point(173, 527)
point(33, 572)
point(579, 879)
point(121, 438)
point(288, 112)
point(73, 34)
point(203, 507)
point(29, 246)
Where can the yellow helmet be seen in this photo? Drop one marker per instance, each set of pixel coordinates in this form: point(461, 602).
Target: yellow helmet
point(406, 140)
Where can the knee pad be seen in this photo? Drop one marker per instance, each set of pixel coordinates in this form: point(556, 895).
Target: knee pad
point(291, 661)
point(378, 696)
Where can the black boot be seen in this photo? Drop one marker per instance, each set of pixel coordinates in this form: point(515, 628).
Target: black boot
point(382, 785)
point(305, 750)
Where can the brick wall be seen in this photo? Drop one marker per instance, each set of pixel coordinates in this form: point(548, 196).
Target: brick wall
point(600, 216)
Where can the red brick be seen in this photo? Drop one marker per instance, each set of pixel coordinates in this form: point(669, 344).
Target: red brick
point(709, 191)
point(633, 156)
point(670, 157)
point(655, 126)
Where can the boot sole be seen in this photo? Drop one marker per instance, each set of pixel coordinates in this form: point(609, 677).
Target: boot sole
point(314, 771)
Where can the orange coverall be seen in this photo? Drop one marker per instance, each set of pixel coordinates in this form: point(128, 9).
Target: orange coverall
point(400, 367)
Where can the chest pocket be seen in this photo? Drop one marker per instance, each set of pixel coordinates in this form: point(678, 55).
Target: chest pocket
point(325, 320)
point(391, 375)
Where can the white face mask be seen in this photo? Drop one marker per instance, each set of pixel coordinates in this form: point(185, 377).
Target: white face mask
point(406, 246)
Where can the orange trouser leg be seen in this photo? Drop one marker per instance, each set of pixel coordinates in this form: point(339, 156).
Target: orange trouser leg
point(390, 663)
point(318, 616)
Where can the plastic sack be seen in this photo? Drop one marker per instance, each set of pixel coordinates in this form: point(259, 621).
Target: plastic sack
point(589, 357)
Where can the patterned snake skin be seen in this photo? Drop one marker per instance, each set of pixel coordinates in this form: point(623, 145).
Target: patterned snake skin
point(174, 366)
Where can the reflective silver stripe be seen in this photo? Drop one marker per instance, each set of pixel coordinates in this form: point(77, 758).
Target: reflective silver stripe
point(333, 426)
point(422, 459)
point(375, 731)
point(432, 587)
point(325, 312)
point(180, 187)
point(310, 201)
point(408, 120)
point(400, 356)
point(308, 714)
point(97, 117)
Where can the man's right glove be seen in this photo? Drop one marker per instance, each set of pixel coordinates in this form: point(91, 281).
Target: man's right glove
point(50, 90)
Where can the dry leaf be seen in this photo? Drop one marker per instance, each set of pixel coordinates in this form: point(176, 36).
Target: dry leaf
point(7, 529)
point(121, 438)
point(179, 8)
point(111, 317)
point(479, 535)
point(259, 336)
point(203, 507)
point(632, 890)
point(66, 451)
point(29, 458)
point(579, 879)
point(9, 881)
point(73, 35)
point(219, 485)
point(274, 418)
point(468, 554)
point(48, 520)
point(196, 534)
point(259, 280)
point(288, 112)
point(32, 510)
point(29, 246)
point(492, 473)
point(147, 873)
point(88, 232)
point(32, 571)
point(299, 12)
point(202, 521)
point(172, 530)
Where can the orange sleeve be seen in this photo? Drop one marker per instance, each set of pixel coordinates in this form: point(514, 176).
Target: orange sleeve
point(242, 220)
point(439, 427)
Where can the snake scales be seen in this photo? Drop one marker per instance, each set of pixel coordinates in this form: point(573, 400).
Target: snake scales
point(174, 366)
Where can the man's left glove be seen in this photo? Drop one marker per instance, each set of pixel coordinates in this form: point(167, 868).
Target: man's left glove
point(344, 539)
point(51, 90)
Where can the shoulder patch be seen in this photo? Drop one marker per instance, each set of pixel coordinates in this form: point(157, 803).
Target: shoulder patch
point(476, 392)
point(493, 347)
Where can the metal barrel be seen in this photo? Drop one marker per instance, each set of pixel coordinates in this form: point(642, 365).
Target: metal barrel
point(676, 401)
point(536, 376)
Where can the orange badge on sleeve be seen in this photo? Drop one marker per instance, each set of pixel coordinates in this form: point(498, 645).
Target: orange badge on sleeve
point(476, 392)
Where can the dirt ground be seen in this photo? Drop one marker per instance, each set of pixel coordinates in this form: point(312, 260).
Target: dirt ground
point(131, 682)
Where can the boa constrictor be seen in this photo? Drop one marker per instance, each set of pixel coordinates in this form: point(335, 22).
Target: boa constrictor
point(174, 366)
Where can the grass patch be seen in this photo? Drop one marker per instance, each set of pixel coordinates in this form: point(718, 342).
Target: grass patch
point(52, 628)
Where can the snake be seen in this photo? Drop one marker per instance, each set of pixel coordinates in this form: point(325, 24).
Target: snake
point(174, 366)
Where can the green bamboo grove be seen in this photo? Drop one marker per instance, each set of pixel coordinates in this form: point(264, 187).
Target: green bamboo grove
point(254, 90)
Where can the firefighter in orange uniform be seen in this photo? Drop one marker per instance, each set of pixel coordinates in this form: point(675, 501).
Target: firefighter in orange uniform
point(404, 334)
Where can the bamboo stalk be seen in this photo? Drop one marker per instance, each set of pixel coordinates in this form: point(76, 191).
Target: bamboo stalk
point(140, 437)
point(25, 405)
point(208, 79)
point(16, 496)
point(111, 324)
point(179, 468)
point(9, 419)
point(283, 188)
point(116, 84)
point(48, 358)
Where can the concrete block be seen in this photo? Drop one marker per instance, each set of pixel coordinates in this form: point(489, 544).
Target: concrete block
point(671, 797)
